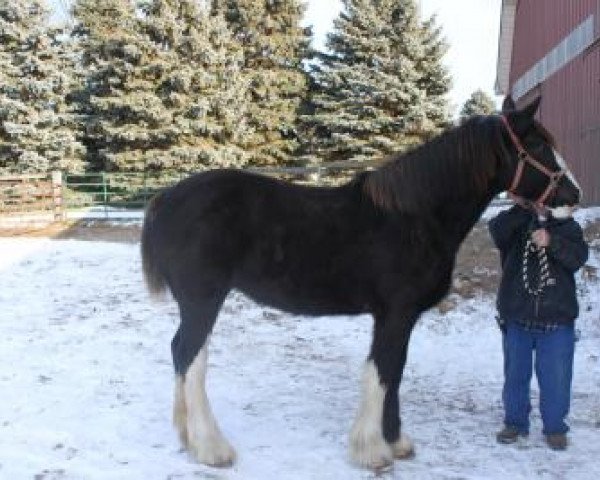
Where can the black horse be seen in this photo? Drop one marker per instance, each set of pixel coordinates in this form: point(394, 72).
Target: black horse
point(385, 244)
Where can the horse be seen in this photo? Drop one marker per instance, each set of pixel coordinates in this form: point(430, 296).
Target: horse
point(384, 244)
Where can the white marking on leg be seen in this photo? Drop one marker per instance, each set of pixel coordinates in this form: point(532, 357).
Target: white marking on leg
point(205, 440)
point(368, 448)
point(179, 411)
point(403, 447)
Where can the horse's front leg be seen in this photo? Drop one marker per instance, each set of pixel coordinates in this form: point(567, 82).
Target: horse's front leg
point(376, 439)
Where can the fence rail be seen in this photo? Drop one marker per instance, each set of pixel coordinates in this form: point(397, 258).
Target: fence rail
point(42, 199)
point(25, 197)
point(102, 195)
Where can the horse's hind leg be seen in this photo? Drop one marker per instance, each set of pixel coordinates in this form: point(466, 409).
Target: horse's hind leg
point(192, 414)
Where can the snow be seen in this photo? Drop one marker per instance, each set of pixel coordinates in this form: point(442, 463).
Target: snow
point(97, 213)
point(105, 212)
point(86, 382)
point(587, 215)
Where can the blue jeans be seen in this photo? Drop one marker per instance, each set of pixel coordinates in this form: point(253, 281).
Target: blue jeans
point(554, 352)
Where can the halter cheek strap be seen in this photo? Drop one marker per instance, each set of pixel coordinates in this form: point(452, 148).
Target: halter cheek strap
point(525, 157)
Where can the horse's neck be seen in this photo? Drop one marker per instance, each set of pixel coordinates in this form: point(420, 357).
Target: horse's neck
point(457, 218)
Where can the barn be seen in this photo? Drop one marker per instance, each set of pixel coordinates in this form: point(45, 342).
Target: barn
point(552, 48)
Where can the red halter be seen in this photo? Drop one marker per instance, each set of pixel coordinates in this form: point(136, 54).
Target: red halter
point(525, 157)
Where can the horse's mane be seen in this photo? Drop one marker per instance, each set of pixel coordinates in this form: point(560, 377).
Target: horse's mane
point(459, 162)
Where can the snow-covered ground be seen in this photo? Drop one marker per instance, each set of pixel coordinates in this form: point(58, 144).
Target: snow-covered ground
point(86, 382)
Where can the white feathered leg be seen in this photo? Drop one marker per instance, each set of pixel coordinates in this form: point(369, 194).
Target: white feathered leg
point(179, 411)
point(205, 440)
point(368, 448)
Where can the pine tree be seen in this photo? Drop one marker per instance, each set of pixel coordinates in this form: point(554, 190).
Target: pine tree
point(479, 103)
point(381, 87)
point(111, 53)
point(164, 90)
point(36, 64)
point(117, 103)
point(201, 85)
point(274, 46)
point(434, 77)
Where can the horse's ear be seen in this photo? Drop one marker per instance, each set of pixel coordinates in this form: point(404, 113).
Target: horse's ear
point(522, 120)
point(530, 110)
point(508, 105)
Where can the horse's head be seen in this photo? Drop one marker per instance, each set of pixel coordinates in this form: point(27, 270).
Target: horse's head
point(538, 172)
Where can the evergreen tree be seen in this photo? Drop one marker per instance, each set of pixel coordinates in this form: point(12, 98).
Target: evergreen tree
point(163, 90)
point(479, 103)
point(201, 85)
point(274, 46)
point(381, 87)
point(117, 102)
point(434, 77)
point(36, 65)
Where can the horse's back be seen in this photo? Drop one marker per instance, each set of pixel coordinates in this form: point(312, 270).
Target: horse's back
point(244, 189)
point(245, 197)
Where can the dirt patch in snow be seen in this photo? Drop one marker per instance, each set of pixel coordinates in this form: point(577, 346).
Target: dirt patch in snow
point(95, 231)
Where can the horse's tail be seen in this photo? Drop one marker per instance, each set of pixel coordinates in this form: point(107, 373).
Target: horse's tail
point(153, 275)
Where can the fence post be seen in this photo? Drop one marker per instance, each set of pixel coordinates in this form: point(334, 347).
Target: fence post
point(57, 195)
point(105, 194)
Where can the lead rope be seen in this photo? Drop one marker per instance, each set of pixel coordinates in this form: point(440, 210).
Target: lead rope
point(544, 278)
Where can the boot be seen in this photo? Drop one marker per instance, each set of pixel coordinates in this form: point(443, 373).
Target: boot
point(557, 441)
point(509, 435)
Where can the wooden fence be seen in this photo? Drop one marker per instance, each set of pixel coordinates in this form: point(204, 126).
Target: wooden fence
point(31, 198)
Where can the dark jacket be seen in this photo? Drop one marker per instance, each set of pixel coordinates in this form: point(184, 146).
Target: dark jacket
point(567, 252)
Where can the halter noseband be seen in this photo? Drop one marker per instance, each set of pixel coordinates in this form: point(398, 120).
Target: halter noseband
point(525, 157)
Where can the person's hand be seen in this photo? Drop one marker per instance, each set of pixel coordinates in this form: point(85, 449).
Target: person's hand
point(540, 209)
point(541, 237)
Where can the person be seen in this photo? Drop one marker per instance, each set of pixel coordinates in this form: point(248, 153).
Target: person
point(537, 307)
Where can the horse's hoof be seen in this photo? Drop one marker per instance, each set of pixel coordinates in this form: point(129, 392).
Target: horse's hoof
point(375, 454)
point(216, 452)
point(403, 448)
